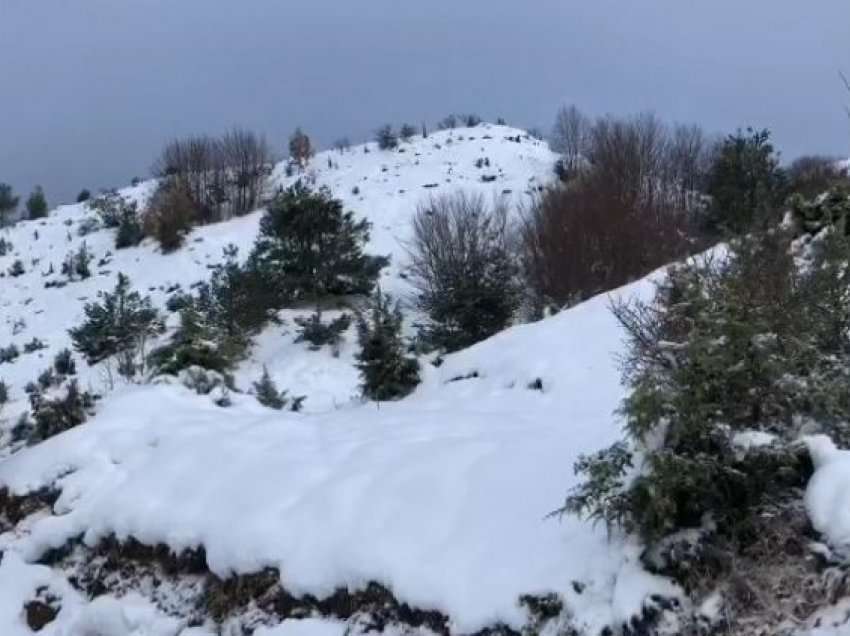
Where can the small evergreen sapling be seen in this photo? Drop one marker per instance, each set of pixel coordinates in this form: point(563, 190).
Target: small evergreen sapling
point(37, 204)
point(119, 326)
point(386, 372)
point(64, 364)
point(319, 333)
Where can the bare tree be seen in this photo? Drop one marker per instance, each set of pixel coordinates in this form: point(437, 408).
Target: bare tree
point(463, 269)
point(246, 157)
point(570, 135)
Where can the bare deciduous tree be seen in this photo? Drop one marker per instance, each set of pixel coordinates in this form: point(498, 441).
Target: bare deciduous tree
point(569, 135)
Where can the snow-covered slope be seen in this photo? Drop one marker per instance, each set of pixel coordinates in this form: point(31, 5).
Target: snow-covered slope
point(442, 497)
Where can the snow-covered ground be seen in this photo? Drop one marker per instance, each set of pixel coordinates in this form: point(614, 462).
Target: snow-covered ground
point(442, 497)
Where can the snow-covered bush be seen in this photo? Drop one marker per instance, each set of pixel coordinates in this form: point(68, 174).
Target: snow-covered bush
point(463, 270)
point(4, 393)
point(5, 246)
point(9, 353)
point(130, 231)
point(53, 416)
point(34, 345)
point(387, 373)
point(117, 327)
point(83, 196)
point(309, 248)
point(111, 207)
point(732, 361)
point(827, 209)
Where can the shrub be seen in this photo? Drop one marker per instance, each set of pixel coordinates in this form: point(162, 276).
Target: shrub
point(76, 264)
point(5, 246)
point(472, 120)
point(449, 122)
point(319, 333)
point(61, 414)
point(63, 363)
point(83, 196)
point(34, 345)
point(111, 207)
point(308, 247)
point(463, 270)
point(386, 372)
point(36, 204)
point(386, 138)
point(300, 148)
point(812, 175)
point(8, 204)
point(130, 232)
point(170, 215)
point(406, 132)
point(117, 327)
point(746, 184)
point(9, 353)
point(750, 344)
point(4, 393)
point(17, 268)
point(580, 240)
point(47, 379)
point(195, 344)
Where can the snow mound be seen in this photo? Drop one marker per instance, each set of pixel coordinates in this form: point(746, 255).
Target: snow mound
point(828, 492)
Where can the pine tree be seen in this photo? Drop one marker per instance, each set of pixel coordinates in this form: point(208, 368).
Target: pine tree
point(745, 183)
point(58, 415)
point(386, 372)
point(309, 248)
point(37, 204)
point(4, 393)
point(407, 131)
point(64, 364)
point(267, 393)
point(319, 333)
point(118, 326)
point(8, 204)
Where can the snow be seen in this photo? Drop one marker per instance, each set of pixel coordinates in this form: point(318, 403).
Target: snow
point(443, 497)
point(304, 627)
point(828, 492)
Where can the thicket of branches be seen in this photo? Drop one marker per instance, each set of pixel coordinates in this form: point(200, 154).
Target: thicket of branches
point(629, 202)
point(225, 176)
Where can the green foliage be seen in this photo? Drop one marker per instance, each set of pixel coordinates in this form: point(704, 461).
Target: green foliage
point(111, 207)
point(171, 213)
point(752, 342)
point(217, 324)
point(8, 204)
point(118, 326)
point(76, 264)
point(37, 204)
point(130, 232)
point(268, 395)
point(64, 364)
point(309, 248)
point(319, 333)
point(745, 183)
point(386, 372)
point(830, 210)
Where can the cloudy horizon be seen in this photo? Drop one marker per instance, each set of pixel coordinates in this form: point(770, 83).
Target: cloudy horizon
point(93, 88)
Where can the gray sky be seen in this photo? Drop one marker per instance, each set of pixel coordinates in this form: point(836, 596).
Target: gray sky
point(92, 88)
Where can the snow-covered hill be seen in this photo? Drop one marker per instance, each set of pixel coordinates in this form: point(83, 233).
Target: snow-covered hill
point(442, 497)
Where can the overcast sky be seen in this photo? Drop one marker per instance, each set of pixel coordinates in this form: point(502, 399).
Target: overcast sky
point(92, 88)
